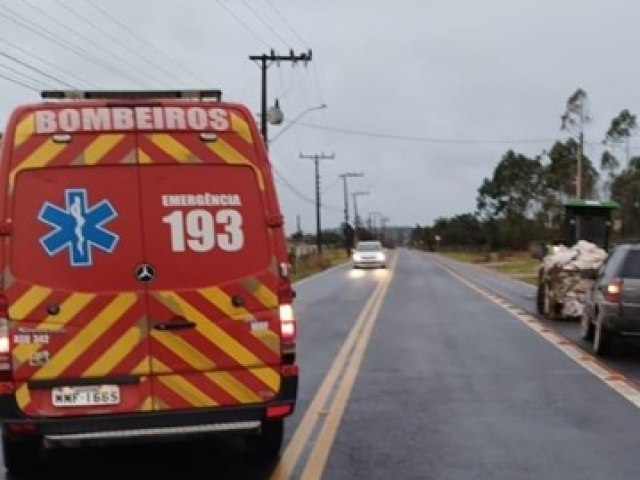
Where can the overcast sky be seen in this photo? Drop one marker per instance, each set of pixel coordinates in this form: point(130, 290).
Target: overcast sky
point(423, 96)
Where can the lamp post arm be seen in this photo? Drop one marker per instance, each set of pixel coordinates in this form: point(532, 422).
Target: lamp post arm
point(293, 122)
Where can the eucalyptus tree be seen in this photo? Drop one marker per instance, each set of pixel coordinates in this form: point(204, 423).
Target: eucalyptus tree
point(621, 130)
point(512, 196)
point(574, 118)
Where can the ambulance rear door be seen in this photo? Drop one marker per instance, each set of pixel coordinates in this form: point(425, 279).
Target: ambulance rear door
point(211, 271)
point(78, 311)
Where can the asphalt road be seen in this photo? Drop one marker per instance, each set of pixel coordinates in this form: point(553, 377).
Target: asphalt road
point(411, 373)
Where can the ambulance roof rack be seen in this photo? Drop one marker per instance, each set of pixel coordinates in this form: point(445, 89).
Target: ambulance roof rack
point(215, 95)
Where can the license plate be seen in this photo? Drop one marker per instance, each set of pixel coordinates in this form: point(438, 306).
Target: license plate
point(85, 396)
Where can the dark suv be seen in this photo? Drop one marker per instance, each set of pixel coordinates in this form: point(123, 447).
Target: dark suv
point(612, 304)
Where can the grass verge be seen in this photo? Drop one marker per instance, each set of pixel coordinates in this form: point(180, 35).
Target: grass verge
point(517, 265)
point(309, 265)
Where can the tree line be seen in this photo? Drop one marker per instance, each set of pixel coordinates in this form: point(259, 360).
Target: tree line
point(523, 200)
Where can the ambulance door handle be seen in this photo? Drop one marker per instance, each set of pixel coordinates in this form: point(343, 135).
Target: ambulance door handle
point(177, 323)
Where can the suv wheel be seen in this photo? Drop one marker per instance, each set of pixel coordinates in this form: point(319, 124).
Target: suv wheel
point(586, 327)
point(601, 339)
point(540, 298)
point(266, 445)
point(21, 456)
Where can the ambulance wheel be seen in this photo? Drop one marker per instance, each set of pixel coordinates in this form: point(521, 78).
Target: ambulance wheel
point(21, 456)
point(266, 445)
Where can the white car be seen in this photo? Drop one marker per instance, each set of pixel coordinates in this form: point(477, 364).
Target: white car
point(369, 254)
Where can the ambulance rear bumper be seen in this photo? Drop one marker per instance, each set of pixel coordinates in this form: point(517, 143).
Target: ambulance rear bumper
point(142, 426)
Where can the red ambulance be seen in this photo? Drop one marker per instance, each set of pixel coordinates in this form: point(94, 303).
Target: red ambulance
point(144, 280)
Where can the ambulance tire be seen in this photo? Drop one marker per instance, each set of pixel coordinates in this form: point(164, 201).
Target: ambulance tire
point(266, 445)
point(21, 456)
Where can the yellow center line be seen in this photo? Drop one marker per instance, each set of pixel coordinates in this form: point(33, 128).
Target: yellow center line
point(348, 361)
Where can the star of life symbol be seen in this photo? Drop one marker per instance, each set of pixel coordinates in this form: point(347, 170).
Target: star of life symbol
point(78, 227)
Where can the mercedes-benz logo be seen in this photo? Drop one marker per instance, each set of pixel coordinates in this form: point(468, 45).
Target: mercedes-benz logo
point(145, 273)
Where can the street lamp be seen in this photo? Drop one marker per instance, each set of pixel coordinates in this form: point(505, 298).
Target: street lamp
point(293, 122)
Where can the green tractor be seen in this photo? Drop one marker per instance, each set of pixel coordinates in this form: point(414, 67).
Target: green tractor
point(561, 290)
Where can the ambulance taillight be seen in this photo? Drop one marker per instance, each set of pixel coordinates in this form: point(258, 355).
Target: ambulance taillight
point(288, 330)
point(6, 374)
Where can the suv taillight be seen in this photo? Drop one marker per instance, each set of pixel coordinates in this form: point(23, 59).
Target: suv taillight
point(612, 291)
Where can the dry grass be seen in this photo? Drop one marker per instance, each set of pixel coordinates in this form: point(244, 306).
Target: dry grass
point(518, 265)
point(304, 267)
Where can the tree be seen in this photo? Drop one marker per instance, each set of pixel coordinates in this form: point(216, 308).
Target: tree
point(514, 189)
point(573, 119)
point(621, 129)
point(559, 174)
point(625, 189)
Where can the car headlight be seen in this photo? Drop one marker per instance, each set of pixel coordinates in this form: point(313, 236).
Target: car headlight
point(380, 257)
point(356, 257)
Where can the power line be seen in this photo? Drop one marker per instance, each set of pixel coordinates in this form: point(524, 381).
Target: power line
point(389, 136)
point(35, 69)
point(24, 75)
point(47, 34)
point(89, 22)
point(147, 44)
point(47, 62)
point(265, 23)
point(292, 187)
point(286, 23)
point(18, 82)
point(243, 24)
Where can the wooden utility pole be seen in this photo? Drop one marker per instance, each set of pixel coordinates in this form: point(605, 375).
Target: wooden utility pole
point(265, 60)
point(316, 159)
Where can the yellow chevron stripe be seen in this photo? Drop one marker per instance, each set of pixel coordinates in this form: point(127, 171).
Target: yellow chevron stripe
point(115, 353)
point(143, 366)
point(143, 157)
point(28, 301)
point(241, 127)
point(174, 148)
point(25, 129)
point(230, 155)
point(68, 310)
point(266, 296)
point(222, 302)
point(23, 397)
point(40, 157)
point(100, 147)
point(187, 390)
point(182, 349)
point(211, 331)
point(87, 336)
point(234, 387)
point(147, 405)
point(269, 376)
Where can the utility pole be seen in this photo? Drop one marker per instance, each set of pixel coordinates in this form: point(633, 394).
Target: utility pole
point(265, 60)
point(355, 196)
point(348, 238)
point(316, 159)
point(344, 177)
